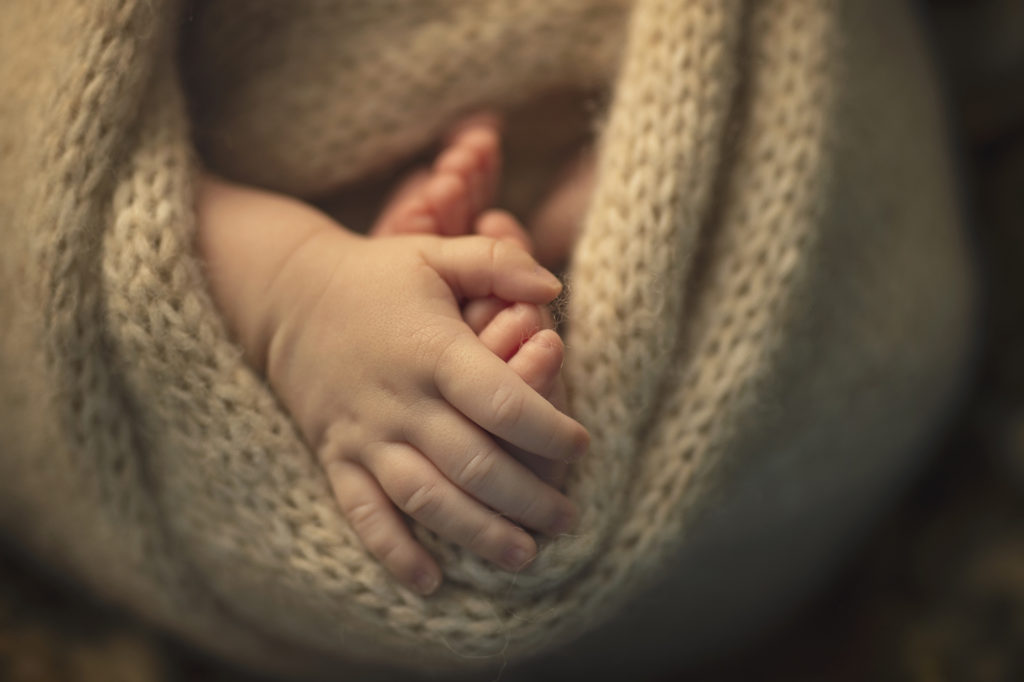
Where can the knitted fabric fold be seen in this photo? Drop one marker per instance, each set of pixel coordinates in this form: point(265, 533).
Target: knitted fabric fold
point(769, 314)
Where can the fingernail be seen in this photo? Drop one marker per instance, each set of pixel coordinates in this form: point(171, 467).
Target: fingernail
point(426, 582)
point(514, 557)
point(542, 340)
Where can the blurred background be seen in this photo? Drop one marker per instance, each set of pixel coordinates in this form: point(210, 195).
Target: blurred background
point(936, 594)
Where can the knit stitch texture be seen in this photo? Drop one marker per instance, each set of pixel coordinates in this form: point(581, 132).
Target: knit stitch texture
point(770, 310)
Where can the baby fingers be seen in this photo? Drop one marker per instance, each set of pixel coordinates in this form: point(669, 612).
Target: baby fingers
point(421, 491)
point(380, 528)
point(470, 459)
point(483, 388)
point(476, 267)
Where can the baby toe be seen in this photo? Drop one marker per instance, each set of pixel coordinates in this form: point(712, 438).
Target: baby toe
point(485, 146)
point(481, 120)
point(498, 224)
point(448, 202)
point(463, 161)
point(406, 210)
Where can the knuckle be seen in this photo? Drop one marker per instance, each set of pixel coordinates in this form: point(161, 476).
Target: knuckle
point(363, 516)
point(477, 470)
point(478, 541)
point(422, 501)
point(506, 406)
point(560, 437)
point(388, 551)
point(495, 251)
point(534, 509)
point(366, 520)
point(556, 442)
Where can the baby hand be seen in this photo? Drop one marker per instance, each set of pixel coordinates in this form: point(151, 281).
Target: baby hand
point(398, 397)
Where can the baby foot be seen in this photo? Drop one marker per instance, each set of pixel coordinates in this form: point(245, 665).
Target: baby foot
point(447, 199)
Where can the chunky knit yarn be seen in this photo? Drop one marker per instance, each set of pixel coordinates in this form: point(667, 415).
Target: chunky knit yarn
point(769, 312)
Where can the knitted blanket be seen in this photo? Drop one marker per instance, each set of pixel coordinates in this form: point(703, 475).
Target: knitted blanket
point(770, 311)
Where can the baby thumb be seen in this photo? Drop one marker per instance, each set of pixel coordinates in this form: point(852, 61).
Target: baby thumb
point(476, 267)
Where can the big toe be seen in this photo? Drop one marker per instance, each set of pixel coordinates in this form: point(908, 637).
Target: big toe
point(474, 153)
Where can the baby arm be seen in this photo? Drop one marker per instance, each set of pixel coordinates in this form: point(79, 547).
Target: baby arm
point(364, 342)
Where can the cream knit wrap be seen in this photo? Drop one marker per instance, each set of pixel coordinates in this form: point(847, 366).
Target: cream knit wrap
point(770, 310)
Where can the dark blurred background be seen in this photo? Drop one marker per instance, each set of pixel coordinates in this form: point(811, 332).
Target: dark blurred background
point(937, 592)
